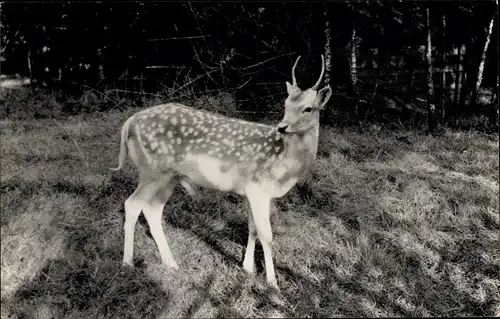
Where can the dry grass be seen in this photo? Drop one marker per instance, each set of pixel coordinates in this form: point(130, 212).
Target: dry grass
point(385, 224)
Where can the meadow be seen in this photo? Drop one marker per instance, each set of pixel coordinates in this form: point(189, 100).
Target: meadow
point(386, 223)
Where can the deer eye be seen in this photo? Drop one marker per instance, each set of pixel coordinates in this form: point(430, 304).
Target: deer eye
point(307, 110)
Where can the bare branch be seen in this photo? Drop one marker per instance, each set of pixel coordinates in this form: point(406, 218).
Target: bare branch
point(194, 80)
point(203, 36)
point(263, 62)
point(166, 66)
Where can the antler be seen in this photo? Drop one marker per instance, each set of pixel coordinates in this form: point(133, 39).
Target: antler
point(321, 75)
point(294, 81)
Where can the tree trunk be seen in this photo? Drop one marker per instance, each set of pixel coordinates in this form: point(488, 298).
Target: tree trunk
point(479, 78)
point(100, 66)
point(412, 60)
point(408, 88)
point(101, 42)
point(494, 116)
point(443, 74)
point(494, 108)
point(327, 115)
point(464, 85)
point(46, 66)
point(354, 75)
point(458, 74)
point(29, 65)
point(328, 48)
point(431, 107)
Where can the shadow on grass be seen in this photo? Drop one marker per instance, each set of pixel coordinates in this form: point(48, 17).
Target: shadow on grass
point(223, 305)
point(401, 272)
point(354, 296)
point(91, 281)
point(72, 287)
point(437, 262)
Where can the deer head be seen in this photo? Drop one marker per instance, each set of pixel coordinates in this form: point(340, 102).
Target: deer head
point(302, 106)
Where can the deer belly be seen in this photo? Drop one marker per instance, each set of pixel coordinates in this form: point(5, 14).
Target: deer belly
point(279, 189)
point(209, 172)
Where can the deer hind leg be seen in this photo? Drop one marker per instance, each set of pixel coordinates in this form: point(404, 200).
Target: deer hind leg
point(137, 202)
point(153, 213)
point(248, 262)
point(132, 212)
point(260, 206)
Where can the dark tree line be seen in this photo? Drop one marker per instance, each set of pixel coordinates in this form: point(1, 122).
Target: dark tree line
point(438, 59)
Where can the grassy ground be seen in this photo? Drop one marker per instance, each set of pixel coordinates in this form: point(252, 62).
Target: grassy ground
point(385, 224)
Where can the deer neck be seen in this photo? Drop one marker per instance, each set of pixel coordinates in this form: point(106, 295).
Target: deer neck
point(282, 171)
point(302, 146)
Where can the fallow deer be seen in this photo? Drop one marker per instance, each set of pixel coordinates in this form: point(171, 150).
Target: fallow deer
point(172, 143)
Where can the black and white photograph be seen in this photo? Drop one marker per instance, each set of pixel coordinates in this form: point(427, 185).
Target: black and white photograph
point(236, 159)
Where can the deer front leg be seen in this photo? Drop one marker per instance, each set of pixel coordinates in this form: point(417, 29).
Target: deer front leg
point(248, 262)
point(260, 206)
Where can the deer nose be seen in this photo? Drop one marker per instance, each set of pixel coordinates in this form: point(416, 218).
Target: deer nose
point(282, 128)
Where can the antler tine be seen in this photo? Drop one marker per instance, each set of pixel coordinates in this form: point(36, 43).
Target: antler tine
point(294, 80)
point(321, 75)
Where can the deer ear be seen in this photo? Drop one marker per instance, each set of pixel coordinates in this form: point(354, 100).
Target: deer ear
point(289, 88)
point(323, 96)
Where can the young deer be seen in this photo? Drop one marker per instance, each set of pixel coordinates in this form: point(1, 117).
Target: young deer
point(173, 143)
